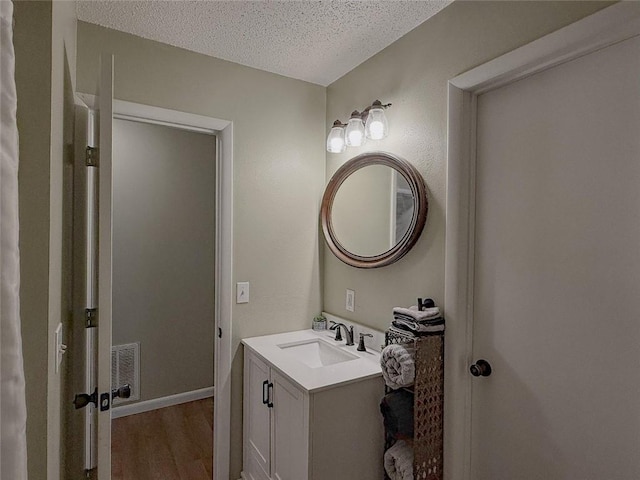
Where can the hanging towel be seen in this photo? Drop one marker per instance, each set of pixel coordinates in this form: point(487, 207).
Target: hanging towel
point(398, 461)
point(412, 313)
point(398, 365)
point(397, 412)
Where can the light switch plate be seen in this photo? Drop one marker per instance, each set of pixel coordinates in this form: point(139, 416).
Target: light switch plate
point(351, 300)
point(242, 292)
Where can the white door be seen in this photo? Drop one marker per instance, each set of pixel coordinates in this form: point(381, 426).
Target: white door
point(557, 273)
point(104, 267)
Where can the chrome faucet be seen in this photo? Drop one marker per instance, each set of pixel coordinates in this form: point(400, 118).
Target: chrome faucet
point(348, 332)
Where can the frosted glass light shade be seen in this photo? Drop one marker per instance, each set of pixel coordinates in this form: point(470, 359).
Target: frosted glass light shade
point(335, 140)
point(354, 135)
point(377, 126)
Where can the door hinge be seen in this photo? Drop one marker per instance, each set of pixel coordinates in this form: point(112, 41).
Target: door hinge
point(92, 156)
point(91, 317)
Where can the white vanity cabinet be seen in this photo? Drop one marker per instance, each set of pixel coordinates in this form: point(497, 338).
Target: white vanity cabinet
point(291, 433)
point(275, 441)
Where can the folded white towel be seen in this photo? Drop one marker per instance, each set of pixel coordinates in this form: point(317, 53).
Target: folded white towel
point(417, 315)
point(419, 328)
point(398, 365)
point(398, 461)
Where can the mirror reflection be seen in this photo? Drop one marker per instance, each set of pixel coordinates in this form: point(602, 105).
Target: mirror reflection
point(372, 210)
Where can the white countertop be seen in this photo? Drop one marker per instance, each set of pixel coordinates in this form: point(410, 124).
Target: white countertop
point(366, 365)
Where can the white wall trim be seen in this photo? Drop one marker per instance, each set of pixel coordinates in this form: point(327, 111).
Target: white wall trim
point(224, 305)
point(162, 402)
point(223, 129)
point(606, 27)
point(160, 116)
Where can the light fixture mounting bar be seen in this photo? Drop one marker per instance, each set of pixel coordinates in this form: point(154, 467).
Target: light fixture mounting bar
point(365, 112)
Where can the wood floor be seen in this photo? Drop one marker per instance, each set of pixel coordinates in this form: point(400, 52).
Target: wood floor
point(173, 443)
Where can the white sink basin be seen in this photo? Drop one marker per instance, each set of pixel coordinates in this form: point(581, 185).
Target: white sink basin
point(313, 361)
point(316, 353)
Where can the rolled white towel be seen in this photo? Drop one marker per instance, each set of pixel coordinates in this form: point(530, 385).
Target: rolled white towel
point(398, 365)
point(398, 461)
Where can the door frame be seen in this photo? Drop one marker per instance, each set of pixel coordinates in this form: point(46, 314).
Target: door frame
point(223, 130)
point(611, 25)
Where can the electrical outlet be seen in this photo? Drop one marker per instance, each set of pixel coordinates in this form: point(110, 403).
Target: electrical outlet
point(242, 292)
point(351, 300)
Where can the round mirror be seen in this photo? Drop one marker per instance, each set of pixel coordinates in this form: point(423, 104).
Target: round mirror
point(373, 210)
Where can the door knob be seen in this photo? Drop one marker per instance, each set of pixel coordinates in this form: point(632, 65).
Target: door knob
point(122, 392)
point(480, 369)
point(81, 400)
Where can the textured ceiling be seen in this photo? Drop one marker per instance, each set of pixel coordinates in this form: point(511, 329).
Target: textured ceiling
point(313, 40)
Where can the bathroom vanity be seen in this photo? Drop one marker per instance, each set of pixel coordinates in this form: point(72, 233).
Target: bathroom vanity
point(311, 408)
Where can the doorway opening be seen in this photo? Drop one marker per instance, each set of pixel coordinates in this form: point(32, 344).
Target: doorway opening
point(164, 220)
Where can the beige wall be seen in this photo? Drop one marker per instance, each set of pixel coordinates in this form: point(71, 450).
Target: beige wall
point(45, 74)
point(62, 129)
point(163, 253)
point(412, 73)
point(279, 135)
point(32, 40)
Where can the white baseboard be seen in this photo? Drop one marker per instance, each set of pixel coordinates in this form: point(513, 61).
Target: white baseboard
point(148, 405)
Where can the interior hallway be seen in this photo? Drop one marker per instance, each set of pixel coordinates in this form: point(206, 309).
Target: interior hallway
point(173, 443)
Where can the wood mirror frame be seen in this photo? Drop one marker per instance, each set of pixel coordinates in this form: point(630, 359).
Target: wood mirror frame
point(418, 220)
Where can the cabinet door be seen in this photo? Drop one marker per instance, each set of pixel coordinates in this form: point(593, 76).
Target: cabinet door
point(290, 453)
point(257, 428)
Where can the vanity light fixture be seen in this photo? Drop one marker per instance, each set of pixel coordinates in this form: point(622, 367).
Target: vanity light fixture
point(371, 123)
point(335, 140)
point(354, 133)
point(377, 126)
